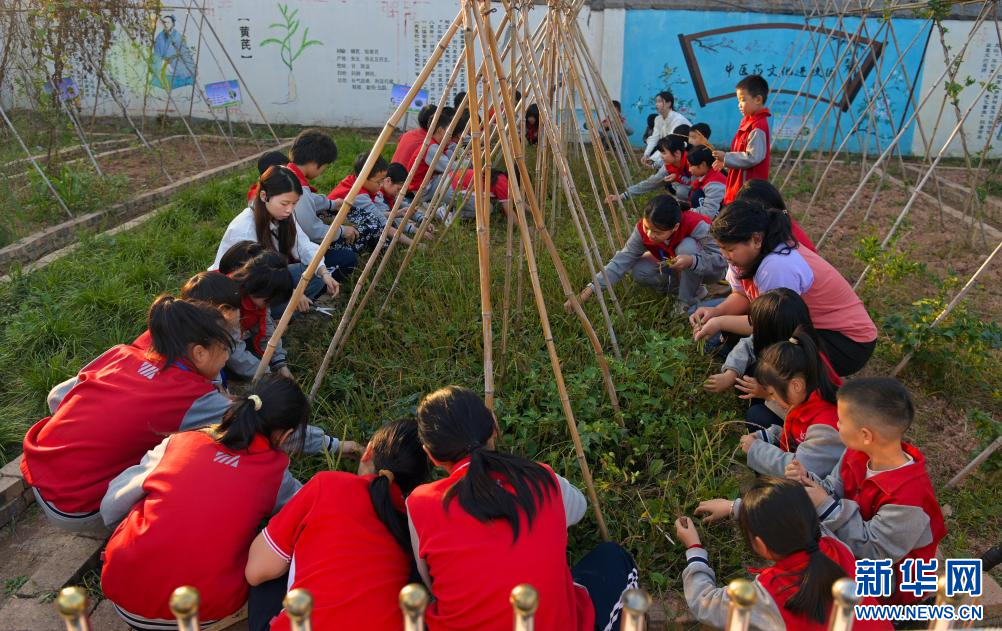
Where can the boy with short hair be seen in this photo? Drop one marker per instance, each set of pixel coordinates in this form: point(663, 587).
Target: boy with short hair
point(879, 500)
point(707, 186)
point(266, 161)
point(369, 210)
point(748, 158)
point(674, 171)
point(425, 159)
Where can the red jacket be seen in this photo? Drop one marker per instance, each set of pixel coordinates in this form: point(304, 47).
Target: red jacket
point(782, 581)
point(422, 167)
point(737, 177)
point(813, 411)
point(344, 187)
point(664, 251)
point(906, 486)
point(408, 146)
point(201, 511)
point(302, 178)
point(679, 170)
point(475, 565)
point(696, 187)
point(255, 320)
point(122, 406)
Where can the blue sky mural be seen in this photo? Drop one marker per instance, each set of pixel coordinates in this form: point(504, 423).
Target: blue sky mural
point(701, 55)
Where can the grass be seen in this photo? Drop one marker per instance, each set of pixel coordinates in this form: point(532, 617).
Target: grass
point(678, 445)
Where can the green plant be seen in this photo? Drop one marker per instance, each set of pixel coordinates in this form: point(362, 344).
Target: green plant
point(288, 49)
point(11, 585)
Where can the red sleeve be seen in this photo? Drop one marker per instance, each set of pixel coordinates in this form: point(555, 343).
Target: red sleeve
point(283, 530)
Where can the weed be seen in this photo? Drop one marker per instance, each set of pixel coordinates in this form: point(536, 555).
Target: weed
point(11, 585)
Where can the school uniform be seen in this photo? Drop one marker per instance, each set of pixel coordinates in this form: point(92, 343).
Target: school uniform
point(408, 146)
point(191, 509)
point(774, 587)
point(848, 335)
point(368, 213)
point(890, 514)
point(471, 567)
point(809, 434)
point(648, 261)
point(426, 163)
point(749, 156)
point(121, 405)
point(706, 193)
point(341, 552)
point(463, 181)
point(663, 126)
point(532, 133)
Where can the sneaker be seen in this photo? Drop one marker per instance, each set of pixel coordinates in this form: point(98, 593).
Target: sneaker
point(442, 213)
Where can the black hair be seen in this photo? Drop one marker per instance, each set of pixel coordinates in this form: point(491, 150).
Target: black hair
point(458, 99)
point(780, 513)
point(266, 276)
point(283, 407)
point(176, 325)
point(313, 145)
point(698, 154)
point(173, 20)
point(271, 159)
point(238, 254)
point(425, 115)
point(650, 120)
point(616, 104)
point(702, 128)
point(884, 399)
point(667, 97)
point(379, 166)
point(518, 96)
point(671, 143)
point(681, 130)
point(453, 424)
point(532, 112)
point(754, 85)
point(444, 119)
point(663, 212)
point(396, 172)
point(775, 315)
point(396, 448)
point(276, 181)
point(213, 288)
point(740, 220)
point(799, 355)
point(763, 192)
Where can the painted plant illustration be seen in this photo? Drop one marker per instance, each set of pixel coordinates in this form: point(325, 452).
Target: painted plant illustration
point(289, 50)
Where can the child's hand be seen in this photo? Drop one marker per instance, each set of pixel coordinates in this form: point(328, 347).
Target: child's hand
point(746, 442)
point(707, 330)
point(612, 198)
point(685, 530)
point(718, 165)
point(671, 177)
point(350, 449)
point(646, 161)
point(349, 234)
point(796, 471)
point(817, 494)
point(718, 155)
point(304, 305)
point(333, 287)
point(720, 382)
point(714, 510)
point(700, 316)
point(751, 388)
point(681, 262)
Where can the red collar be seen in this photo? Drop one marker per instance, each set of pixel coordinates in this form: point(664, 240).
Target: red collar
point(302, 178)
point(459, 468)
point(890, 481)
point(749, 122)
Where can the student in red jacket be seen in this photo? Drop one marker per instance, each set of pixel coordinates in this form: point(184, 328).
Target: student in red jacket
point(349, 538)
point(70, 456)
point(411, 140)
point(795, 592)
point(499, 520)
point(879, 500)
point(748, 158)
point(793, 374)
point(706, 185)
point(425, 159)
point(670, 247)
point(191, 507)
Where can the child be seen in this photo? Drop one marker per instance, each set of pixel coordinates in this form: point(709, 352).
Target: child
point(651, 119)
point(762, 255)
point(396, 175)
point(348, 534)
point(793, 375)
point(532, 124)
point(764, 193)
point(262, 281)
point(270, 221)
point(191, 507)
point(424, 159)
point(368, 212)
point(463, 181)
point(748, 158)
point(267, 160)
point(707, 185)
point(70, 456)
point(673, 167)
point(666, 240)
point(607, 124)
point(411, 140)
point(664, 124)
point(879, 500)
point(312, 151)
point(502, 519)
point(699, 134)
point(795, 592)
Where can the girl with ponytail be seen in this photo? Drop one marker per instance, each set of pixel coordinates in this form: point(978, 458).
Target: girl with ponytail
point(122, 404)
point(191, 507)
point(349, 536)
point(779, 524)
point(763, 254)
point(794, 376)
point(499, 520)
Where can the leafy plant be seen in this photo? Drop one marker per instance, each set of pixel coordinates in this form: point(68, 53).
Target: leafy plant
point(288, 50)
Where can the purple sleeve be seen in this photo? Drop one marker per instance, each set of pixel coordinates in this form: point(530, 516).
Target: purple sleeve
point(784, 270)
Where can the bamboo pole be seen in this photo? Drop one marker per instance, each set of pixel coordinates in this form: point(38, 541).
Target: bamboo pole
point(490, 54)
point(34, 163)
point(335, 226)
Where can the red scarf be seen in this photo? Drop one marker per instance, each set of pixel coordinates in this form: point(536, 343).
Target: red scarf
point(662, 251)
point(254, 319)
point(302, 178)
point(813, 411)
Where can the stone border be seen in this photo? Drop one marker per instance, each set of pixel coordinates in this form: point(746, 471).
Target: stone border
point(37, 245)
